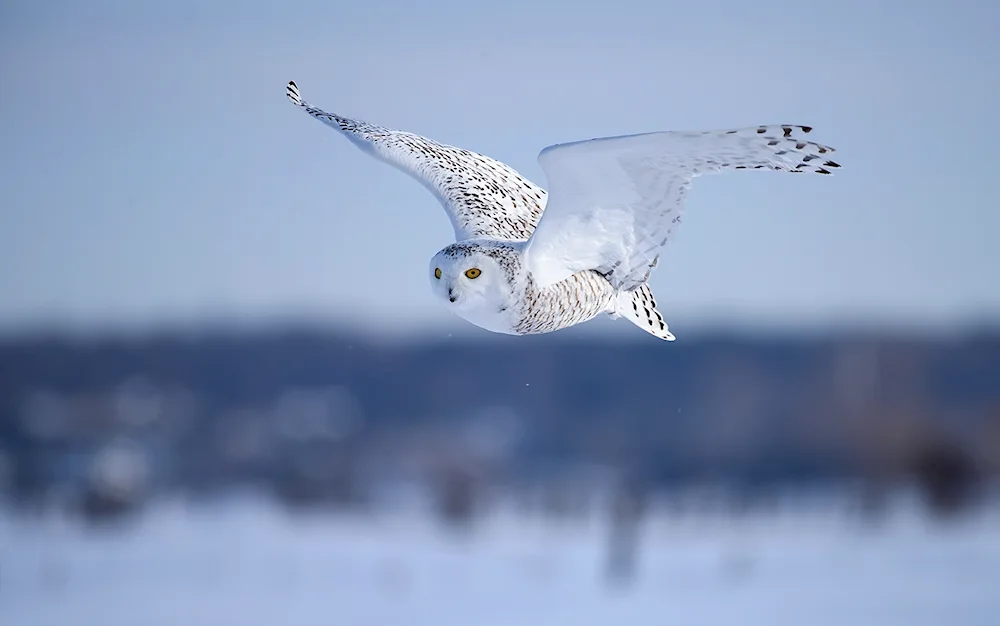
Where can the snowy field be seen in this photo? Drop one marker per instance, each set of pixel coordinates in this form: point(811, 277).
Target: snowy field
point(248, 563)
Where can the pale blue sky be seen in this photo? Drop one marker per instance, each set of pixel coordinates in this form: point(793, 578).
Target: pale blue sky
point(152, 172)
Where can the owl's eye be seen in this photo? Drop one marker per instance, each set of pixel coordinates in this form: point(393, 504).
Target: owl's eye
point(473, 272)
point(437, 273)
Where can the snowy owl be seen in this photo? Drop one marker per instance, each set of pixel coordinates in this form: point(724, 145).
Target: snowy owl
point(527, 261)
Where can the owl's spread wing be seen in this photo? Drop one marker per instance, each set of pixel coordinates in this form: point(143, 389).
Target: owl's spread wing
point(615, 202)
point(482, 196)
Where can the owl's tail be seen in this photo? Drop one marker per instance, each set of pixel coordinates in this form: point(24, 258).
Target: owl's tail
point(639, 307)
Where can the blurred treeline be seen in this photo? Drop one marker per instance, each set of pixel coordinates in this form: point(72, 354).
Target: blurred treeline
point(100, 424)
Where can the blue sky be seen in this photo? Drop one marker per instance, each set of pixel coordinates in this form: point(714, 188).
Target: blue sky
point(151, 171)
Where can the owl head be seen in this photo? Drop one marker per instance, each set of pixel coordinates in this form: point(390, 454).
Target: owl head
point(465, 276)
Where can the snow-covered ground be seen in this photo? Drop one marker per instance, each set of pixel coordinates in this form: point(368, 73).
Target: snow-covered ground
point(248, 563)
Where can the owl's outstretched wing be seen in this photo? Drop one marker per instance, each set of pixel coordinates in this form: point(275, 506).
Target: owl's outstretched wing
point(615, 202)
point(482, 196)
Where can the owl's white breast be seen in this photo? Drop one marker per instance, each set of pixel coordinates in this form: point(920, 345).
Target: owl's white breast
point(494, 321)
point(497, 318)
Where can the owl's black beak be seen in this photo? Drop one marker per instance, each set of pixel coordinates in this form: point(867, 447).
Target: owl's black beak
point(451, 296)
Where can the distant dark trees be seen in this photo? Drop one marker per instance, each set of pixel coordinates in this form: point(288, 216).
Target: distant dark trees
point(223, 406)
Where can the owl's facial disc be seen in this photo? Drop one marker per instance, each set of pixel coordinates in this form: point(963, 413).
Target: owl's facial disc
point(463, 280)
point(472, 284)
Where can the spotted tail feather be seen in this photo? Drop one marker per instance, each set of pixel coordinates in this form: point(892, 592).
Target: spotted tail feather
point(639, 307)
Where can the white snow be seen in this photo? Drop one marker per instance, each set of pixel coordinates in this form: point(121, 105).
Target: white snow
point(250, 563)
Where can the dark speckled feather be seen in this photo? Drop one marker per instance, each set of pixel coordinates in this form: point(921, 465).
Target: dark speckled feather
point(482, 196)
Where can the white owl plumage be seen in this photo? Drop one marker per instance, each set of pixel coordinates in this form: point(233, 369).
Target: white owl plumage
point(613, 204)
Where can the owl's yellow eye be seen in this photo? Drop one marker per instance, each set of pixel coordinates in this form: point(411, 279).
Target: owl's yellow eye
point(437, 273)
point(473, 272)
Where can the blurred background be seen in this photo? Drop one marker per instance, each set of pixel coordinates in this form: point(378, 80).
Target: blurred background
point(224, 399)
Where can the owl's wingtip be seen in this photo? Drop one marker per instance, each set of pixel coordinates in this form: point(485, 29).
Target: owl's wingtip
point(292, 93)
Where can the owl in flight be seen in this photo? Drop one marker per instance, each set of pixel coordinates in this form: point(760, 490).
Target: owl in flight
point(527, 261)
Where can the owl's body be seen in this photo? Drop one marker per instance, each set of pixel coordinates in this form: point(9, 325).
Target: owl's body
point(506, 299)
point(524, 263)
